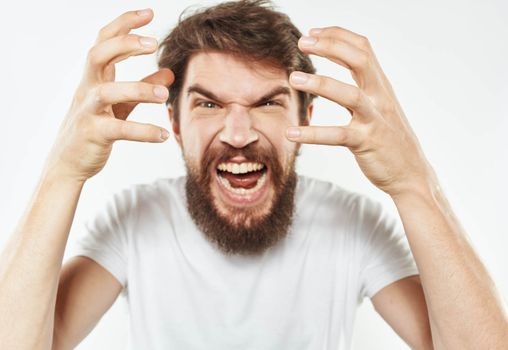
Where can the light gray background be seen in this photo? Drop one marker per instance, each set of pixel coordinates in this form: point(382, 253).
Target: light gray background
point(446, 61)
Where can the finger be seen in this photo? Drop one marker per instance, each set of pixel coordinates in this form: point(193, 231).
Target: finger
point(343, 34)
point(114, 129)
point(325, 135)
point(124, 24)
point(348, 96)
point(364, 69)
point(163, 77)
point(117, 49)
point(357, 40)
point(112, 93)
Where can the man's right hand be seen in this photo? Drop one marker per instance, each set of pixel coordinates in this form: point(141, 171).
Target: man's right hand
point(100, 106)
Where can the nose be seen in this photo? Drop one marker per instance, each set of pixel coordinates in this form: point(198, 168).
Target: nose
point(238, 131)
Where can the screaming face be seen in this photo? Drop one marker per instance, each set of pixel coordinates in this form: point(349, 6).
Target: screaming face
point(240, 167)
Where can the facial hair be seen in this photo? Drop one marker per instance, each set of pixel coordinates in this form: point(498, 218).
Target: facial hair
point(245, 230)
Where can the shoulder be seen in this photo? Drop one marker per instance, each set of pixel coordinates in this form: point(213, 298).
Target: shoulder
point(157, 192)
point(331, 197)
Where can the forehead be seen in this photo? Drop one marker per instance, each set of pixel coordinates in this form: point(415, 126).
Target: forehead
point(233, 78)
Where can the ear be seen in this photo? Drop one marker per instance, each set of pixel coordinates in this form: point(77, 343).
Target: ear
point(306, 121)
point(174, 125)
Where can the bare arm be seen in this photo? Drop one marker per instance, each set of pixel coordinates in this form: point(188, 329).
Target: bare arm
point(86, 291)
point(402, 305)
point(464, 309)
point(30, 263)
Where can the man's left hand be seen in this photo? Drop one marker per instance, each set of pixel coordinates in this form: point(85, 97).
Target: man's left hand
point(379, 134)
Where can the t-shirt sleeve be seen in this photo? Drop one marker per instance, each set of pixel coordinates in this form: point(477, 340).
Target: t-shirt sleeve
point(104, 239)
point(385, 255)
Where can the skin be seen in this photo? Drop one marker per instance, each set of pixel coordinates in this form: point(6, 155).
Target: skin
point(462, 307)
point(236, 117)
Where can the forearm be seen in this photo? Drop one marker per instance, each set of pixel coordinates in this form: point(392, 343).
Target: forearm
point(30, 265)
point(464, 307)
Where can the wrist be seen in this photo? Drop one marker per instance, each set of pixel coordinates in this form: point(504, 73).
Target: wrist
point(58, 175)
point(427, 188)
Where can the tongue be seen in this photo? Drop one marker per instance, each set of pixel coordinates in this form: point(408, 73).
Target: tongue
point(246, 181)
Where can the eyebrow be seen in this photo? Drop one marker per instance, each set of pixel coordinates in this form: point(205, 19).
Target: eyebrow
point(279, 90)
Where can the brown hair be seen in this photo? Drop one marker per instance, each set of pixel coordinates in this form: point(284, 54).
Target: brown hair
point(249, 29)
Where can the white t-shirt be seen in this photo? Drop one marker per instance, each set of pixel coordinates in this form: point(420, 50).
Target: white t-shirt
point(183, 293)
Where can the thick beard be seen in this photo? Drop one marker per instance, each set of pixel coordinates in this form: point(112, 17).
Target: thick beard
point(244, 231)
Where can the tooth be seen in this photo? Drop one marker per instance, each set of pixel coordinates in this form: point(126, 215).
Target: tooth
point(243, 191)
point(250, 167)
point(229, 167)
point(236, 168)
point(243, 168)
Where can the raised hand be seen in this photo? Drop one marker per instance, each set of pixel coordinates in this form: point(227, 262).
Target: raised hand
point(379, 134)
point(100, 106)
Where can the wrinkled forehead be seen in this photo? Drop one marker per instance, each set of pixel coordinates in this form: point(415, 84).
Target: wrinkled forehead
point(232, 78)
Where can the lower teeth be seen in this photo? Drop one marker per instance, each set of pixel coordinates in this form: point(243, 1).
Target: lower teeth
point(240, 190)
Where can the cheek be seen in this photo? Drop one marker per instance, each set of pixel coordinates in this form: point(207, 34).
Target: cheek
point(274, 129)
point(196, 138)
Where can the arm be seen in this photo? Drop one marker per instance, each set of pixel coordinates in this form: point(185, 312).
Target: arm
point(463, 307)
point(402, 305)
point(30, 263)
point(82, 280)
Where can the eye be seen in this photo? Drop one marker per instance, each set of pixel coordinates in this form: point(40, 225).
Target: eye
point(207, 104)
point(270, 103)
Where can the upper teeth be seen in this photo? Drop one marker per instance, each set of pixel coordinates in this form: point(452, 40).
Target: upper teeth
point(241, 168)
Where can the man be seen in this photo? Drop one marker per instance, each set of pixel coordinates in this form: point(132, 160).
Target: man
point(242, 252)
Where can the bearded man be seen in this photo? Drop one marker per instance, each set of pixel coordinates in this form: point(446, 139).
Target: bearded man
point(243, 253)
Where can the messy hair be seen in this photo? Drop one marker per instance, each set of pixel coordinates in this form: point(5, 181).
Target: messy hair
point(248, 29)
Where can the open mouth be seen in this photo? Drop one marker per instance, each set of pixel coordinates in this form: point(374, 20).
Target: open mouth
point(244, 182)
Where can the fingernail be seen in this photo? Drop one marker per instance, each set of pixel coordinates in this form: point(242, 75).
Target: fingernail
point(315, 31)
point(293, 132)
point(308, 40)
point(160, 91)
point(299, 78)
point(164, 134)
point(144, 12)
point(148, 42)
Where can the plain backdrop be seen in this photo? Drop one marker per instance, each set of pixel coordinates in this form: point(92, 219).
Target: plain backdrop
point(446, 61)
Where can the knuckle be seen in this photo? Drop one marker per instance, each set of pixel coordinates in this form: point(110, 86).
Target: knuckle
point(335, 29)
point(93, 56)
point(388, 108)
point(121, 130)
point(144, 91)
point(104, 129)
point(98, 94)
point(88, 128)
point(340, 135)
point(363, 42)
point(357, 98)
point(320, 83)
point(131, 40)
point(362, 60)
point(103, 32)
